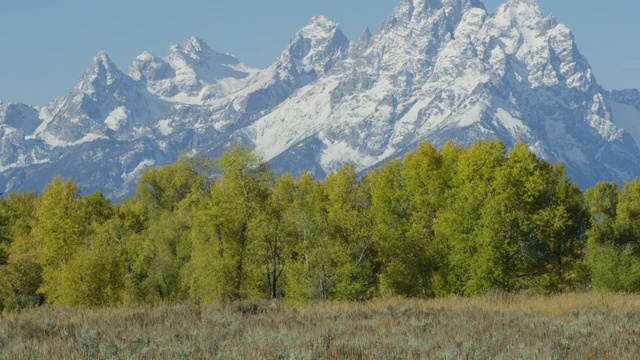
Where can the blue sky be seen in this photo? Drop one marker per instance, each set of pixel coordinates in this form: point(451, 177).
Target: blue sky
point(46, 45)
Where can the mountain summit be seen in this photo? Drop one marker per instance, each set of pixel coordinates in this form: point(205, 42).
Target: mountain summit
point(435, 70)
point(191, 73)
point(440, 70)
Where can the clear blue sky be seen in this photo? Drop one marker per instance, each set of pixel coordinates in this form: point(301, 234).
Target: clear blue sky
point(46, 45)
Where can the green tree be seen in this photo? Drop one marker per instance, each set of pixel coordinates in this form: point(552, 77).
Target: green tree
point(615, 269)
point(602, 201)
point(274, 235)
point(391, 211)
point(96, 274)
point(561, 226)
point(129, 227)
point(58, 231)
point(627, 220)
point(614, 248)
point(75, 255)
point(23, 274)
point(351, 243)
point(158, 225)
point(5, 232)
point(425, 171)
point(406, 198)
point(159, 256)
point(309, 267)
point(472, 180)
point(226, 264)
point(511, 222)
point(165, 187)
point(508, 244)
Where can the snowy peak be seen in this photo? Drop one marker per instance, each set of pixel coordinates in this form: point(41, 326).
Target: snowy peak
point(546, 47)
point(422, 26)
point(102, 61)
point(194, 46)
point(101, 78)
point(311, 54)
point(317, 47)
point(194, 50)
point(17, 121)
point(191, 73)
point(436, 70)
point(360, 46)
point(366, 36)
point(102, 72)
point(411, 11)
point(531, 5)
point(104, 102)
point(445, 69)
point(522, 13)
point(147, 67)
point(19, 116)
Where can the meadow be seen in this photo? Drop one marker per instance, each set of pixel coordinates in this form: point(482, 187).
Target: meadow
point(494, 326)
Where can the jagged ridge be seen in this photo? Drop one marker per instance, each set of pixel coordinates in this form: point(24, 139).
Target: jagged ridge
point(436, 70)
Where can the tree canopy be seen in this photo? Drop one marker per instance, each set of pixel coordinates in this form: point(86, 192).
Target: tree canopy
point(460, 220)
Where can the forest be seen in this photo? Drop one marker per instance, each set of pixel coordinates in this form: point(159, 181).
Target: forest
point(457, 221)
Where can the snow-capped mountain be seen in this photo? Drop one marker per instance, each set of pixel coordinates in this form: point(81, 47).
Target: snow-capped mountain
point(191, 73)
point(104, 104)
point(446, 69)
point(311, 54)
point(16, 122)
point(436, 70)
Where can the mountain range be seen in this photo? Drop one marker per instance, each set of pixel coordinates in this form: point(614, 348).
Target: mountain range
point(436, 70)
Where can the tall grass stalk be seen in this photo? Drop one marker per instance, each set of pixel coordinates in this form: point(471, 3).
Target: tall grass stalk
point(495, 326)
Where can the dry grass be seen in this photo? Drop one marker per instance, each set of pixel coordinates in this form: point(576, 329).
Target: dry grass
point(573, 326)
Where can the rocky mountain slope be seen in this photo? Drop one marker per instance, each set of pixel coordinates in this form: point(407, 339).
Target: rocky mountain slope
point(436, 70)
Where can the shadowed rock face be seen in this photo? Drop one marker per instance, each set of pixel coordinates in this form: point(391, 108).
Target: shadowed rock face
point(436, 70)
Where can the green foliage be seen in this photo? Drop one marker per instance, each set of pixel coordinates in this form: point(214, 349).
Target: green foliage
point(391, 211)
point(225, 264)
point(158, 256)
point(274, 236)
point(60, 224)
point(511, 222)
point(164, 188)
point(615, 269)
point(57, 233)
point(308, 273)
point(562, 226)
point(5, 233)
point(22, 275)
point(456, 221)
point(614, 256)
point(351, 246)
point(406, 198)
point(602, 201)
point(459, 221)
point(96, 274)
point(627, 221)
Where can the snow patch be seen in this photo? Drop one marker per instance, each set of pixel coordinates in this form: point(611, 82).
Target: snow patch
point(144, 164)
point(54, 142)
point(516, 127)
point(116, 118)
point(165, 127)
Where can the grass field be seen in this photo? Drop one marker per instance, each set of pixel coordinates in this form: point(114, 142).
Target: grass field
point(572, 326)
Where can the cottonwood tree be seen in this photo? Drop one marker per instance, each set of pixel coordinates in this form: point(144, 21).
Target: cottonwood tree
point(309, 268)
point(22, 275)
point(614, 248)
point(351, 243)
point(226, 263)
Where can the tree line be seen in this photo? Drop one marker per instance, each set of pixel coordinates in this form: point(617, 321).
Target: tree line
point(462, 221)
